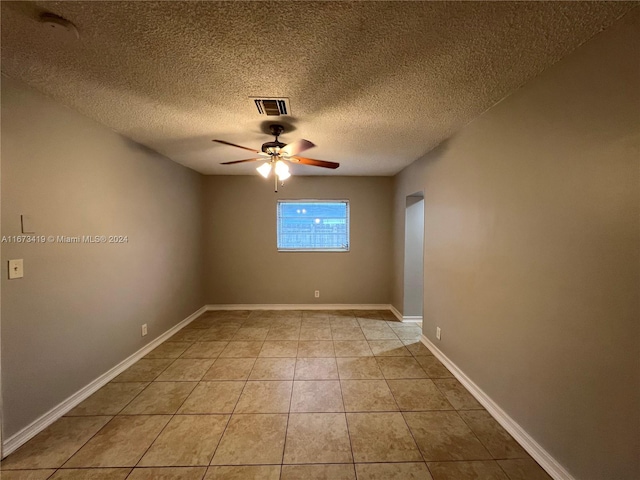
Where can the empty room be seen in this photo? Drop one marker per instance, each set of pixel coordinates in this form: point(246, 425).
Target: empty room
point(331, 240)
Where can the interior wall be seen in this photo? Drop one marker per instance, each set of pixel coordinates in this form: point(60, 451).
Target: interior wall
point(413, 259)
point(78, 310)
point(242, 263)
point(532, 247)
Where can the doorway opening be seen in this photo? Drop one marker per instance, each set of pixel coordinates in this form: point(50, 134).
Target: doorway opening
point(413, 258)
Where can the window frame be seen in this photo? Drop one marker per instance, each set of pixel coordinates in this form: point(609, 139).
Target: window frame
point(312, 250)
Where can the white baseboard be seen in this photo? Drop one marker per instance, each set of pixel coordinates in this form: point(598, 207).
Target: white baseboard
point(27, 433)
point(301, 306)
point(546, 461)
point(396, 312)
point(405, 318)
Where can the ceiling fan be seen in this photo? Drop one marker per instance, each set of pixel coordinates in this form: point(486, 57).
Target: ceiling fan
point(276, 153)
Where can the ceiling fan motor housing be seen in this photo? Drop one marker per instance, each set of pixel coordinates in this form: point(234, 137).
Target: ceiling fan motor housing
point(272, 148)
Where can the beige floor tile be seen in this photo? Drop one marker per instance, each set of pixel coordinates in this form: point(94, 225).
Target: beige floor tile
point(187, 335)
point(313, 348)
point(204, 350)
point(400, 367)
point(254, 334)
point(417, 348)
point(362, 368)
point(283, 314)
point(379, 333)
point(317, 396)
point(212, 397)
point(160, 398)
point(259, 323)
point(26, 474)
point(230, 369)
point(495, 438)
point(315, 332)
point(388, 348)
point(389, 316)
point(283, 333)
point(317, 438)
point(318, 472)
point(203, 322)
point(121, 443)
point(229, 314)
point(186, 370)
point(345, 320)
point(456, 394)
point(219, 334)
point(55, 444)
point(257, 472)
point(433, 367)
point(316, 369)
point(252, 440)
point(444, 436)
point(242, 349)
point(467, 471)
point(381, 437)
point(339, 332)
point(407, 332)
point(144, 370)
point(393, 471)
point(187, 440)
point(371, 323)
point(316, 322)
point(369, 316)
point(322, 314)
point(265, 397)
point(90, 474)
point(367, 396)
point(418, 395)
point(168, 350)
point(109, 400)
point(523, 469)
point(285, 323)
point(273, 369)
point(352, 348)
point(279, 348)
point(167, 473)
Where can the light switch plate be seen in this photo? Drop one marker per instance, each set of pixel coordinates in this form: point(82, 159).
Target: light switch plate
point(27, 224)
point(16, 269)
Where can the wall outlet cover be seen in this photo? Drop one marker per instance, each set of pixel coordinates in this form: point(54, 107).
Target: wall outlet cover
point(16, 269)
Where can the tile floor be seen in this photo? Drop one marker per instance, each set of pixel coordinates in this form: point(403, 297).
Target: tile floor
point(279, 395)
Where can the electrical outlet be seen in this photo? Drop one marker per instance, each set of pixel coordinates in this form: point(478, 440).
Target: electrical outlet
point(144, 329)
point(438, 333)
point(16, 269)
point(317, 293)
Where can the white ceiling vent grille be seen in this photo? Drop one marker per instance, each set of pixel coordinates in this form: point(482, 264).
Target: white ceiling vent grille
point(272, 106)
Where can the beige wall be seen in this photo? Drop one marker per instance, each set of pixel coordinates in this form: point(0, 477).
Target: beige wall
point(532, 254)
point(79, 308)
point(242, 261)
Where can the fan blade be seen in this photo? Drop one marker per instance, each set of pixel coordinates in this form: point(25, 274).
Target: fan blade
point(243, 161)
point(315, 163)
point(296, 147)
point(234, 145)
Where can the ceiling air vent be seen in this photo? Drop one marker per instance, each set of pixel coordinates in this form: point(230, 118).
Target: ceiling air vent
point(272, 106)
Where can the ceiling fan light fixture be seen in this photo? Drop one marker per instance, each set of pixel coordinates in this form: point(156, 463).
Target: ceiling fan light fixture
point(264, 170)
point(282, 169)
point(283, 176)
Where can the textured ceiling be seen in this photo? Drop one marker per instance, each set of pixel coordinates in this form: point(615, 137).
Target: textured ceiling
point(374, 85)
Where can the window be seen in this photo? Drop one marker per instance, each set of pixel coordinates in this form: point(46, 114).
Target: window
point(313, 225)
